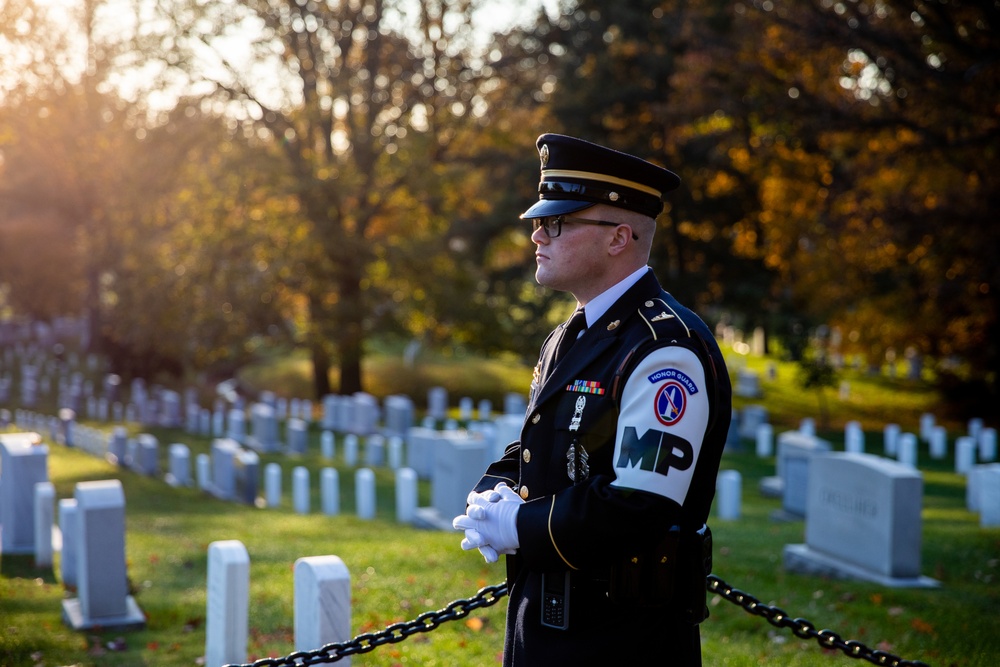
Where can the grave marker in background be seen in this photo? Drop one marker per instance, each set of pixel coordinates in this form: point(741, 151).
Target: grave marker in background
point(228, 605)
point(102, 582)
point(863, 521)
point(23, 463)
point(322, 603)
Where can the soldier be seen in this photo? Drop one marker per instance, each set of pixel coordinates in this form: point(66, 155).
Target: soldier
point(601, 505)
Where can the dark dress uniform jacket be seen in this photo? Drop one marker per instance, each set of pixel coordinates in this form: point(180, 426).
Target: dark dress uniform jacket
point(579, 515)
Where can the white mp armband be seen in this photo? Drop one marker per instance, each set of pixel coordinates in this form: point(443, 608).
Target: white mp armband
point(662, 423)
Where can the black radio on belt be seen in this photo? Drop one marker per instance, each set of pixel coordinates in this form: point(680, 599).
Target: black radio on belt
point(555, 600)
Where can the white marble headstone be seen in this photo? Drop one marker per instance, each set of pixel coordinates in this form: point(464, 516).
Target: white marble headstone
point(228, 605)
point(322, 603)
point(102, 581)
point(23, 463)
point(863, 520)
point(406, 495)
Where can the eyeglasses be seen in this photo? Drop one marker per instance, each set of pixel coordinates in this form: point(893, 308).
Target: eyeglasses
point(553, 224)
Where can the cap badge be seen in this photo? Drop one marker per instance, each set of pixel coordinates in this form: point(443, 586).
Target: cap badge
point(613, 196)
point(543, 153)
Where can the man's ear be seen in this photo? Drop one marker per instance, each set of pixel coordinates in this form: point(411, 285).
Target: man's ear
point(620, 240)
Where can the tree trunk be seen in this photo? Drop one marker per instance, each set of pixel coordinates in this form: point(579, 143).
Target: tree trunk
point(351, 309)
point(321, 369)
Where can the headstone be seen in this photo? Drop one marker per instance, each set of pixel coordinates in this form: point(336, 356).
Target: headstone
point(395, 452)
point(730, 495)
point(147, 455)
point(247, 473)
point(102, 583)
point(406, 495)
point(974, 483)
point(765, 440)
point(223, 483)
point(322, 603)
point(863, 521)
point(989, 498)
point(366, 413)
point(272, 484)
point(926, 426)
point(906, 450)
point(459, 461)
point(965, 454)
point(484, 410)
point(300, 489)
point(23, 463)
point(807, 426)
point(465, 408)
point(68, 527)
point(203, 470)
point(264, 428)
point(351, 450)
point(515, 404)
point(975, 428)
point(988, 445)
point(375, 451)
point(117, 445)
point(218, 423)
point(327, 444)
point(236, 429)
point(298, 435)
point(329, 491)
point(890, 439)
point(437, 403)
point(328, 420)
point(364, 493)
point(228, 605)
point(795, 453)
point(854, 438)
point(398, 415)
point(45, 509)
point(751, 417)
point(180, 465)
point(938, 442)
point(747, 384)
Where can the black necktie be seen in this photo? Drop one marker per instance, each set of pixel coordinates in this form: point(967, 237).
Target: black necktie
point(571, 331)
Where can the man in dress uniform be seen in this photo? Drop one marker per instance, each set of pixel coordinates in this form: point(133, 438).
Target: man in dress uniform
point(601, 506)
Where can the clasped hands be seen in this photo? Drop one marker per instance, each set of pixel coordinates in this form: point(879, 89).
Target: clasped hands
point(490, 522)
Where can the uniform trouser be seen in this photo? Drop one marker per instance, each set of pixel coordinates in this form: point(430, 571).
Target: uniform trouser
point(599, 633)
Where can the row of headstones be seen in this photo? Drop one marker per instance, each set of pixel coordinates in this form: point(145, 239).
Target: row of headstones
point(451, 460)
point(751, 423)
point(90, 534)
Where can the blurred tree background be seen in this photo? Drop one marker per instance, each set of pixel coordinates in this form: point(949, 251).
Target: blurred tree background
point(204, 180)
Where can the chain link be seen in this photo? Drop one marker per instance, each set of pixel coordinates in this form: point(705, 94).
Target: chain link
point(490, 595)
point(804, 629)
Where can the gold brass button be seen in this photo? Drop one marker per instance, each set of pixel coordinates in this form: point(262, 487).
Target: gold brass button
point(524, 492)
point(526, 456)
point(535, 418)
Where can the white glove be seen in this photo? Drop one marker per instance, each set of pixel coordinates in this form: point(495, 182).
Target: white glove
point(490, 522)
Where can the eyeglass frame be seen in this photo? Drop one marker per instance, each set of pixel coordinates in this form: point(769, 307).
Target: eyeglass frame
point(537, 223)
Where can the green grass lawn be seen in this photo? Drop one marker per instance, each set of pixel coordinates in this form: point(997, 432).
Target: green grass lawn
point(398, 572)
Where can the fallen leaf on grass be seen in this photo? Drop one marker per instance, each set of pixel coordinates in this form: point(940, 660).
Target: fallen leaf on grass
point(922, 626)
point(475, 624)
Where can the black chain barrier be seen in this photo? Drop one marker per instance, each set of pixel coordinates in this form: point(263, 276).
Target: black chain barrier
point(490, 595)
point(804, 629)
